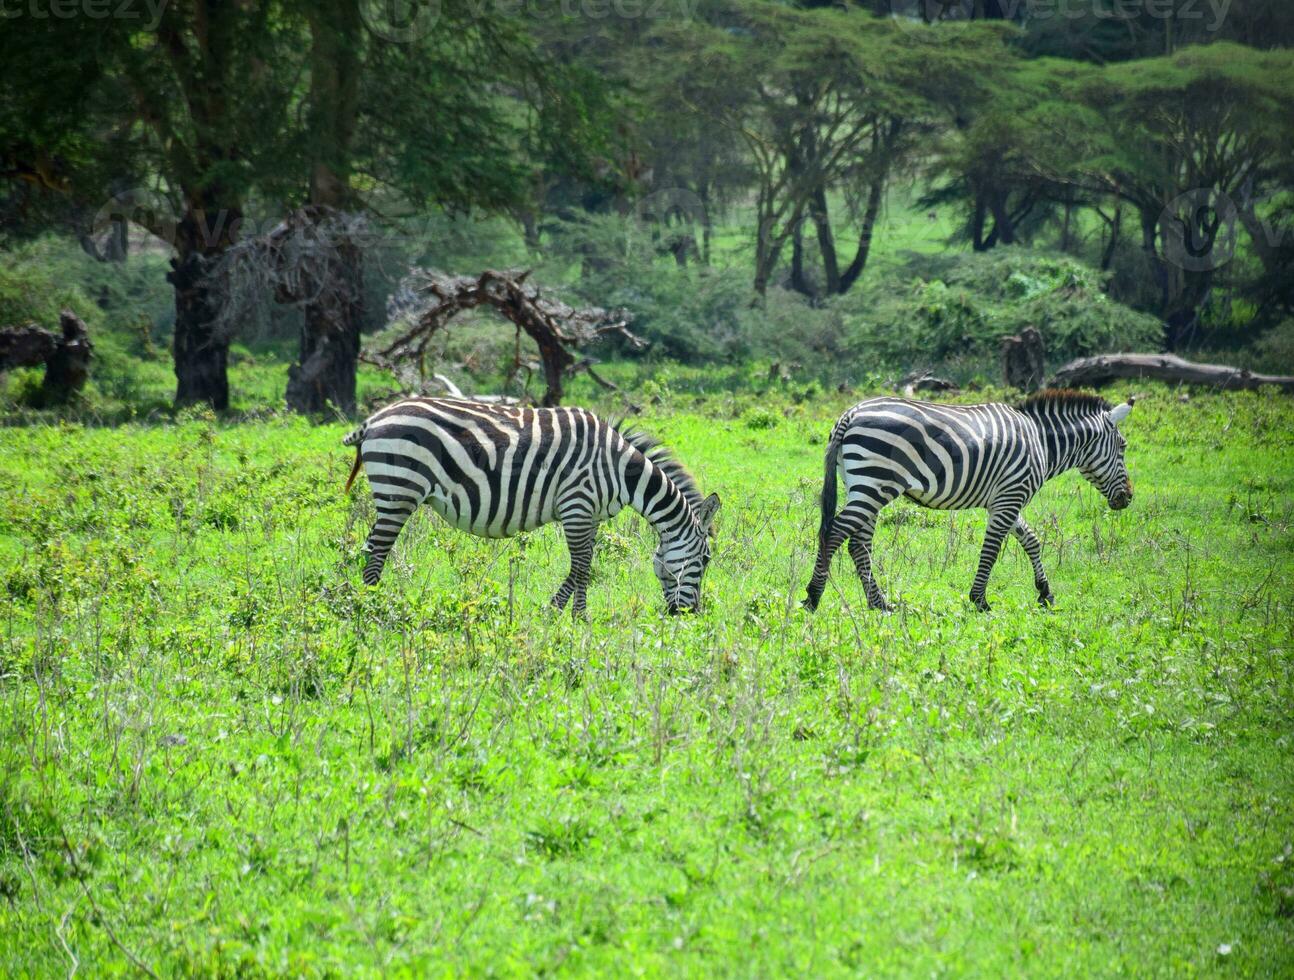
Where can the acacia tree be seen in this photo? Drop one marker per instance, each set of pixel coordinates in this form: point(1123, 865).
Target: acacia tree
point(835, 101)
point(1185, 141)
point(190, 105)
point(1006, 160)
point(415, 119)
point(446, 118)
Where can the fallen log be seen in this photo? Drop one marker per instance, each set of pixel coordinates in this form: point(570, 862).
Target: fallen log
point(26, 346)
point(1099, 370)
point(66, 355)
point(910, 384)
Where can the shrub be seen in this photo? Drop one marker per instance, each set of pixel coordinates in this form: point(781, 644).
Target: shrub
point(690, 313)
point(946, 308)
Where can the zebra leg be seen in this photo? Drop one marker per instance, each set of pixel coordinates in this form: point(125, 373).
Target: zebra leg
point(999, 523)
point(851, 519)
point(392, 513)
point(580, 530)
point(860, 550)
point(1033, 548)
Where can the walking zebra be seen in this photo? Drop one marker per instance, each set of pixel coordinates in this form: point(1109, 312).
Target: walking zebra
point(952, 457)
point(494, 471)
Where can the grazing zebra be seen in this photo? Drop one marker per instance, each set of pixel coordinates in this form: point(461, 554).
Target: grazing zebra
point(494, 470)
point(951, 457)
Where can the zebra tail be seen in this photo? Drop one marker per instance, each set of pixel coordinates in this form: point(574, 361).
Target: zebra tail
point(829, 488)
point(354, 439)
point(355, 471)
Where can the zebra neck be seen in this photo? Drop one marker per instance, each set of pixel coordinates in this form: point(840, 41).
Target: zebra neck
point(659, 500)
point(1062, 441)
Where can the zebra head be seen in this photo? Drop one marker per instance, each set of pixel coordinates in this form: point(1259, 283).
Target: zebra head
point(1102, 461)
point(681, 559)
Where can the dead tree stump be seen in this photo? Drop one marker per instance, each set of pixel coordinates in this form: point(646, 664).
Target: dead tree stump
point(1024, 360)
point(66, 356)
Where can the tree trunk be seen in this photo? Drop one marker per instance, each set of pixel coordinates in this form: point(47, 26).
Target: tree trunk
point(768, 248)
point(706, 228)
point(1096, 371)
point(1003, 227)
point(66, 355)
point(856, 267)
point(1150, 247)
point(826, 241)
point(324, 374)
point(69, 366)
point(201, 352)
point(529, 220)
point(799, 281)
point(978, 214)
point(1116, 225)
point(28, 345)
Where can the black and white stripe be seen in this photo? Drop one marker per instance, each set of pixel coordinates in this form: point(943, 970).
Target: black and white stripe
point(952, 457)
point(496, 470)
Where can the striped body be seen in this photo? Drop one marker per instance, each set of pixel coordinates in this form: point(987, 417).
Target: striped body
point(494, 471)
point(953, 457)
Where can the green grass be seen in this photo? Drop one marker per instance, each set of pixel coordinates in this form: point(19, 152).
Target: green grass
point(220, 754)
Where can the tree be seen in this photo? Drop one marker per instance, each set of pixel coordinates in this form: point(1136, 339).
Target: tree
point(1181, 140)
point(279, 103)
point(1005, 158)
point(835, 101)
point(432, 299)
point(1102, 32)
point(448, 118)
point(191, 106)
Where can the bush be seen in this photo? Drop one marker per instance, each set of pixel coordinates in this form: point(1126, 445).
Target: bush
point(689, 313)
point(1271, 353)
point(31, 290)
point(958, 307)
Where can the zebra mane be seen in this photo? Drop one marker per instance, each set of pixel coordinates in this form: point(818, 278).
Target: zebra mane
point(661, 457)
point(1078, 402)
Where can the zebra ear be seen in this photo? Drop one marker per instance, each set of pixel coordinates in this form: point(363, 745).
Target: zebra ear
point(705, 513)
point(1120, 412)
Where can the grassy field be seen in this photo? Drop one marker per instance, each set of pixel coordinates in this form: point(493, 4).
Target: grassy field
point(220, 754)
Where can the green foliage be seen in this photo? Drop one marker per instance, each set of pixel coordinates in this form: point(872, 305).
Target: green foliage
point(220, 754)
point(694, 314)
point(33, 292)
point(961, 305)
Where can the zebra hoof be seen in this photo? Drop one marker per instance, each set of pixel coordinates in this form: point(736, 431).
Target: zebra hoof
point(810, 603)
point(881, 606)
point(981, 603)
point(1046, 599)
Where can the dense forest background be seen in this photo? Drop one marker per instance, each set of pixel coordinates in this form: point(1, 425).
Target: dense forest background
point(232, 195)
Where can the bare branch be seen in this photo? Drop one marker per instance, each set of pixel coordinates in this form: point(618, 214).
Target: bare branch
point(428, 300)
